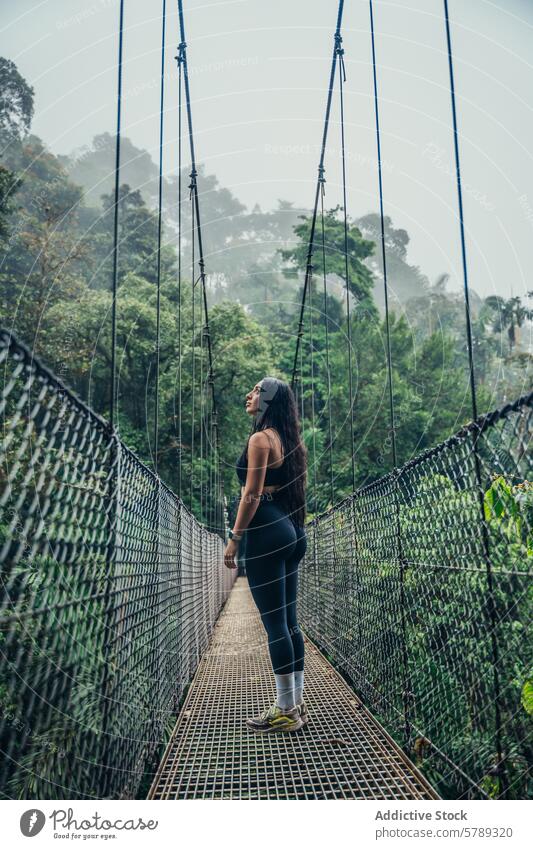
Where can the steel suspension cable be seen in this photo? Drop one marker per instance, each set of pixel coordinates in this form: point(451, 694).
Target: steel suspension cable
point(159, 232)
point(202, 422)
point(308, 270)
point(466, 289)
point(180, 419)
point(193, 343)
point(407, 684)
point(383, 248)
point(461, 218)
point(196, 206)
point(324, 277)
point(500, 768)
point(302, 413)
point(113, 393)
point(312, 346)
point(342, 80)
point(212, 461)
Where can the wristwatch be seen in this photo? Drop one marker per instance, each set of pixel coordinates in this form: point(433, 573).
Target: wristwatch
point(234, 536)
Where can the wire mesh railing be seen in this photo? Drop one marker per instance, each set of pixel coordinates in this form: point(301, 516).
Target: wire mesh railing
point(418, 588)
point(110, 591)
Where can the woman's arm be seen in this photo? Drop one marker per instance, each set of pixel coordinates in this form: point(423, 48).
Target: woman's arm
point(258, 451)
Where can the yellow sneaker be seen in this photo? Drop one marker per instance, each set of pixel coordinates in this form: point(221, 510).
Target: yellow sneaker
point(275, 718)
point(302, 708)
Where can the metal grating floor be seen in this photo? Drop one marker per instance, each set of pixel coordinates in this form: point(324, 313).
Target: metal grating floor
point(342, 753)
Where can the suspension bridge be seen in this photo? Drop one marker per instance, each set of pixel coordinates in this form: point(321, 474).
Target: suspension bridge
point(130, 655)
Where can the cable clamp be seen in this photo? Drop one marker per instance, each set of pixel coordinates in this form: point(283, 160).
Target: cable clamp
point(322, 180)
point(339, 51)
point(192, 184)
point(181, 58)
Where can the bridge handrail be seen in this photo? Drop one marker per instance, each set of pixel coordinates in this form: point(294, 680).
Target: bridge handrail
point(111, 589)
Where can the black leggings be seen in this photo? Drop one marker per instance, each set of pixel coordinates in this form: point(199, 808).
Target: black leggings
point(273, 550)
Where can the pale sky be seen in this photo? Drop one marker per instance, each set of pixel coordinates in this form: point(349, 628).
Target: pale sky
point(258, 74)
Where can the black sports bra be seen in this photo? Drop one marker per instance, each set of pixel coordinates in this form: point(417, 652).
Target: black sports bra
point(273, 477)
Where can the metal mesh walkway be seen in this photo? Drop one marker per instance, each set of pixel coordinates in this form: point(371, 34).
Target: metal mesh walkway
point(343, 753)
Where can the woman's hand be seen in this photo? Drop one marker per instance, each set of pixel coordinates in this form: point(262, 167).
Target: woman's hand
point(230, 553)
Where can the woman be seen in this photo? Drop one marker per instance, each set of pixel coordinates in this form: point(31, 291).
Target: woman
point(273, 472)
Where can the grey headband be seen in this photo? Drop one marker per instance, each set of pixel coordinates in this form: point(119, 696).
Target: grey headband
point(268, 389)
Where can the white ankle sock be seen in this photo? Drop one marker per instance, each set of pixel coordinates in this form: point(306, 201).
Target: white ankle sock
point(298, 687)
point(285, 690)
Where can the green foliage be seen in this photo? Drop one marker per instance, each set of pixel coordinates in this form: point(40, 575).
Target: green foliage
point(60, 252)
point(55, 291)
point(55, 283)
point(508, 315)
point(9, 184)
point(45, 258)
point(360, 280)
point(527, 696)
point(509, 512)
point(16, 110)
point(405, 281)
point(138, 240)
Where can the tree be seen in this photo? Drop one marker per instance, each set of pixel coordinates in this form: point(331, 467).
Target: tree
point(509, 315)
point(16, 111)
point(138, 240)
point(9, 183)
point(93, 168)
point(46, 253)
point(16, 107)
point(85, 327)
point(360, 281)
point(404, 280)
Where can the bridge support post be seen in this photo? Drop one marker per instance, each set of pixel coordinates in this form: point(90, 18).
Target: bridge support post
point(499, 769)
point(407, 694)
point(107, 739)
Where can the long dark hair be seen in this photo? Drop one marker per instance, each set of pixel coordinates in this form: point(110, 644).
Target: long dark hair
point(282, 414)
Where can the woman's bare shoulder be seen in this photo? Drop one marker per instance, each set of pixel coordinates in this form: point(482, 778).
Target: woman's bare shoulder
point(272, 431)
point(259, 439)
